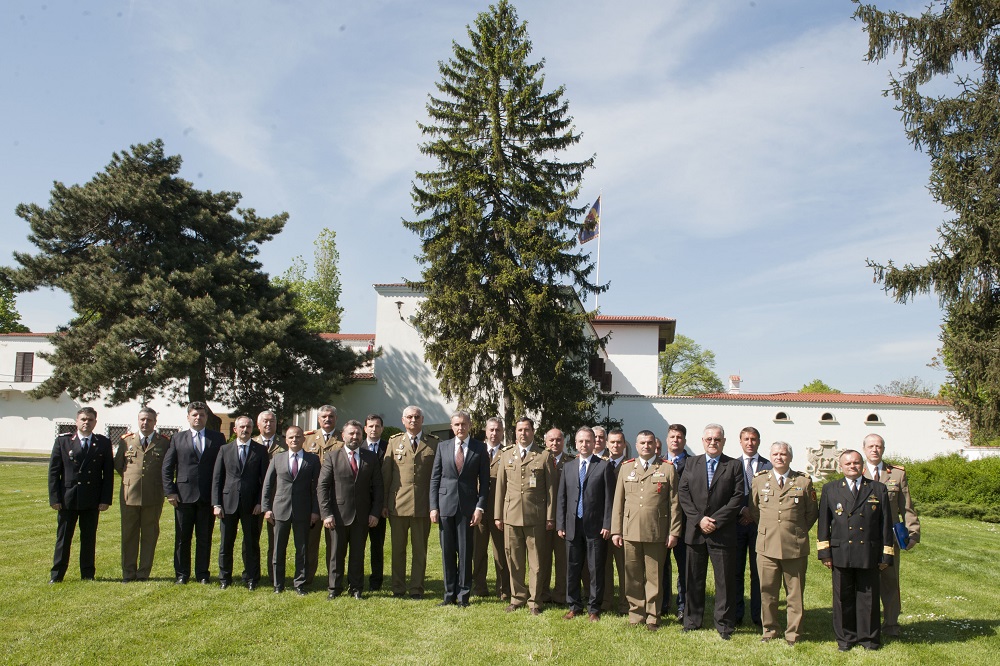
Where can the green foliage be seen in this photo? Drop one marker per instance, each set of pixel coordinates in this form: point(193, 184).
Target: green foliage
point(954, 480)
point(169, 296)
point(953, 41)
point(317, 298)
point(913, 387)
point(501, 267)
point(818, 386)
point(10, 319)
point(687, 369)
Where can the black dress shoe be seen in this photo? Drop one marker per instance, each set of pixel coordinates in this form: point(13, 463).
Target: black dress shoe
point(251, 586)
point(356, 595)
point(53, 581)
point(446, 603)
point(278, 589)
point(181, 580)
point(417, 595)
point(398, 595)
point(204, 581)
point(844, 648)
point(332, 596)
point(224, 584)
point(300, 591)
point(464, 604)
point(726, 637)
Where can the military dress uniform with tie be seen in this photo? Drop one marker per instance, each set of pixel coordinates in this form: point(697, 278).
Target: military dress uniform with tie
point(487, 538)
point(406, 478)
point(274, 445)
point(646, 514)
point(319, 444)
point(902, 511)
point(555, 548)
point(81, 477)
point(525, 501)
point(855, 532)
point(783, 507)
point(139, 461)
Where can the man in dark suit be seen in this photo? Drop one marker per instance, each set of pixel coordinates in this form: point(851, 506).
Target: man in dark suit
point(554, 549)
point(81, 483)
point(615, 452)
point(460, 486)
point(711, 495)
point(854, 539)
point(583, 518)
point(267, 424)
point(487, 536)
point(237, 484)
point(376, 533)
point(187, 483)
point(290, 504)
point(350, 502)
point(677, 455)
point(746, 530)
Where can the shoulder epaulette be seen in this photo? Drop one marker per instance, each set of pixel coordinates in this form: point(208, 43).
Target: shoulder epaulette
point(128, 434)
point(504, 447)
point(397, 436)
point(763, 471)
point(892, 467)
point(664, 460)
point(628, 461)
point(309, 432)
point(434, 437)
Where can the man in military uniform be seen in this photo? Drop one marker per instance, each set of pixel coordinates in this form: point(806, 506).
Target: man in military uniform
point(555, 547)
point(854, 539)
point(406, 477)
point(646, 522)
point(81, 484)
point(488, 536)
point(525, 509)
point(893, 477)
point(318, 442)
point(139, 461)
point(783, 507)
point(267, 424)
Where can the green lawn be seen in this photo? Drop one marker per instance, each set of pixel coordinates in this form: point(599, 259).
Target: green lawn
point(951, 611)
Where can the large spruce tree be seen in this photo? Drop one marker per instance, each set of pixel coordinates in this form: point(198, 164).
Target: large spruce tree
point(168, 295)
point(955, 42)
point(502, 323)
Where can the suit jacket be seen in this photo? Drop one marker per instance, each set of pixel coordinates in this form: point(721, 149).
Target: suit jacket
point(900, 504)
point(762, 464)
point(184, 474)
point(598, 497)
point(784, 516)
point(723, 501)
point(288, 497)
point(491, 499)
point(383, 446)
point(526, 495)
point(277, 445)
point(235, 485)
point(646, 507)
point(141, 469)
point(345, 497)
point(80, 481)
point(453, 493)
point(406, 475)
point(855, 532)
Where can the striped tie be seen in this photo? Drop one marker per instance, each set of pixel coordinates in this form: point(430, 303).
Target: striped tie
point(711, 470)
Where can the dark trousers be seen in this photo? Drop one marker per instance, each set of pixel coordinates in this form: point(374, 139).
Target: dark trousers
point(855, 607)
point(456, 555)
point(348, 545)
point(723, 568)
point(197, 519)
point(299, 530)
point(746, 547)
point(66, 520)
point(376, 544)
point(592, 551)
point(250, 525)
point(680, 556)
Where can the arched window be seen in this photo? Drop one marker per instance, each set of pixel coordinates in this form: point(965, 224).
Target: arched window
point(873, 419)
point(827, 418)
point(781, 417)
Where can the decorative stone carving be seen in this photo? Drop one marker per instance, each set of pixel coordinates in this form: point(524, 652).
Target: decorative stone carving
point(822, 461)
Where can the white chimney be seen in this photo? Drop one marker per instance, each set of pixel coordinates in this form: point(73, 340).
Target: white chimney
point(734, 383)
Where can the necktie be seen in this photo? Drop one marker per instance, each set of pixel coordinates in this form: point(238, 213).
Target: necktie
point(781, 482)
point(145, 443)
point(354, 464)
point(524, 452)
point(645, 465)
point(373, 447)
point(579, 501)
point(459, 458)
point(84, 443)
point(493, 453)
point(876, 475)
point(243, 454)
point(413, 441)
point(749, 473)
point(295, 465)
point(711, 470)
point(854, 488)
point(198, 447)
point(326, 436)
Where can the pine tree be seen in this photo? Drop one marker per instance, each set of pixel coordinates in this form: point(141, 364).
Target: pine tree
point(956, 41)
point(169, 296)
point(502, 323)
point(10, 318)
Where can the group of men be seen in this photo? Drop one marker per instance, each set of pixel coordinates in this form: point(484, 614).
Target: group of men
point(592, 515)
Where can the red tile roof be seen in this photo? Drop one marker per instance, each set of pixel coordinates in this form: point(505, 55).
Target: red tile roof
point(348, 336)
point(853, 398)
point(613, 319)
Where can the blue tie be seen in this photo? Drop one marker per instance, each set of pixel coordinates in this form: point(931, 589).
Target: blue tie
point(579, 501)
point(711, 470)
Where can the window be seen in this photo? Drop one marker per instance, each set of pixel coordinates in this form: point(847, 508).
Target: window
point(23, 366)
point(873, 419)
point(782, 417)
point(827, 418)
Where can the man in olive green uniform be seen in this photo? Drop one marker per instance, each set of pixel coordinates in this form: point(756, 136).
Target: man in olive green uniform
point(554, 591)
point(901, 508)
point(783, 506)
point(646, 522)
point(139, 461)
point(318, 442)
point(487, 536)
point(525, 509)
point(406, 477)
point(267, 423)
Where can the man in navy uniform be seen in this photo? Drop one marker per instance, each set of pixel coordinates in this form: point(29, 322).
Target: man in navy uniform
point(854, 540)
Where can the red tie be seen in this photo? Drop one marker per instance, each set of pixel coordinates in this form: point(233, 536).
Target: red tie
point(354, 464)
point(295, 465)
point(459, 458)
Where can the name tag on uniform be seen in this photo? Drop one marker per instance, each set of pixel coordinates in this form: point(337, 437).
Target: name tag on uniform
point(872, 499)
point(532, 482)
point(659, 475)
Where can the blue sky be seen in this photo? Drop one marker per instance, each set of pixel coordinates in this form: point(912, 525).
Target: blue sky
point(748, 161)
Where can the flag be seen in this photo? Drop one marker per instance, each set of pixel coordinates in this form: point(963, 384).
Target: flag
point(591, 224)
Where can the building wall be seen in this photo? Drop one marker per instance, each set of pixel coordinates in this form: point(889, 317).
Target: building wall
point(632, 357)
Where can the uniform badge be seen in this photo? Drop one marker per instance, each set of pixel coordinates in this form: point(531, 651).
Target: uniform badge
point(872, 499)
point(796, 500)
point(839, 509)
point(631, 477)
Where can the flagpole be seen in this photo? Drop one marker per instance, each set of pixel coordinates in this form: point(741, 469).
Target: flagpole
point(600, 223)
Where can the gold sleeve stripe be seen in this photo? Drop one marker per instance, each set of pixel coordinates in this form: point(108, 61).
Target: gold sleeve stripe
point(822, 545)
point(888, 550)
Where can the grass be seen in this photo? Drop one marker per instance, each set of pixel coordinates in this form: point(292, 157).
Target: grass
point(951, 611)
